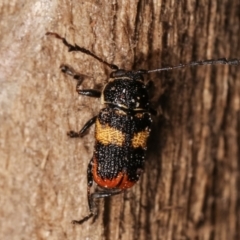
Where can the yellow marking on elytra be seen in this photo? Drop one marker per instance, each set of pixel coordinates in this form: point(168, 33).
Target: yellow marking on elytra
point(140, 139)
point(108, 135)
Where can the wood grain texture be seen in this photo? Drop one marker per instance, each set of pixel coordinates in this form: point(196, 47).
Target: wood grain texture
point(190, 187)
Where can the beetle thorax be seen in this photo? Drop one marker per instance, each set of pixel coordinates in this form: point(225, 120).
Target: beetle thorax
point(126, 93)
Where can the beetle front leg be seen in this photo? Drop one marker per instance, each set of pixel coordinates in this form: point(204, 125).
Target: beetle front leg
point(89, 92)
point(79, 77)
point(88, 124)
point(71, 72)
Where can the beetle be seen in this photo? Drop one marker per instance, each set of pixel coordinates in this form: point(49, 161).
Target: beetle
point(122, 127)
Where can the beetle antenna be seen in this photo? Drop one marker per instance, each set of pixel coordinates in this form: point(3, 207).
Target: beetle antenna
point(76, 48)
point(234, 61)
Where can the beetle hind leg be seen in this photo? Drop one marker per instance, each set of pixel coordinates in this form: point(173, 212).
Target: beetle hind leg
point(90, 183)
point(93, 206)
point(92, 196)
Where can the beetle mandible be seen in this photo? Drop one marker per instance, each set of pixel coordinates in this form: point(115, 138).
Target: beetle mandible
point(122, 127)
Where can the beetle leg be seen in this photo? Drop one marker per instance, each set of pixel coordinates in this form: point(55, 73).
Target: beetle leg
point(88, 124)
point(102, 194)
point(91, 204)
point(106, 193)
point(91, 197)
point(71, 72)
point(89, 92)
point(79, 77)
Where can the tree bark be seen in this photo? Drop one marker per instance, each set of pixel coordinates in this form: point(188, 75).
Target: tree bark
point(190, 186)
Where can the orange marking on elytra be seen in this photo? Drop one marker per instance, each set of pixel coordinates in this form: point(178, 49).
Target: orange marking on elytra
point(120, 182)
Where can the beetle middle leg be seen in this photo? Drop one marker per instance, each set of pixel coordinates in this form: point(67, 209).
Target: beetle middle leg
point(88, 124)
